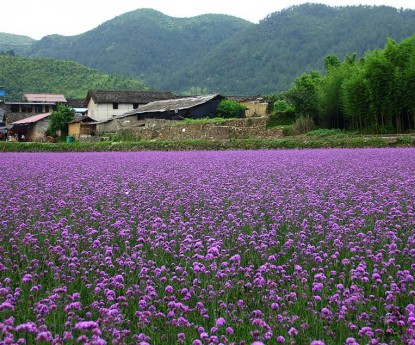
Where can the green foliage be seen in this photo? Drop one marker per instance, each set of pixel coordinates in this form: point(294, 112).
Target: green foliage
point(282, 106)
point(374, 94)
point(283, 113)
point(59, 119)
point(8, 52)
point(146, 45)
point(325, 132)
point(331, 61)
point(24, 75)
point(303, 96)
point(224, 54)
point(205, 144)
point(228, 108)
point(15, 43)
point(268, 57)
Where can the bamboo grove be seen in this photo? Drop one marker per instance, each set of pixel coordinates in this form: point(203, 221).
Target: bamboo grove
point(373, 94)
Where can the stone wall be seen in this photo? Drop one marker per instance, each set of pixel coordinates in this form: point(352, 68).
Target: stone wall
point(89, 139)
point(253, 128)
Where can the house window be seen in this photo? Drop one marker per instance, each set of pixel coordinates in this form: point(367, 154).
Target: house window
point(135, 105)
point(114, 105)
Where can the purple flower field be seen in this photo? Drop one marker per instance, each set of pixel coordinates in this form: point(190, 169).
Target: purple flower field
point(251, 247)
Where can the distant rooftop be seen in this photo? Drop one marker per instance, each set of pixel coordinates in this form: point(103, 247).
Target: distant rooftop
point(128, 96)
point(44, 97)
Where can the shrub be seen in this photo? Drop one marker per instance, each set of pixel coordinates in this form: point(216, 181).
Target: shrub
point(303, 125)
point(282, 113)
point(229, 109)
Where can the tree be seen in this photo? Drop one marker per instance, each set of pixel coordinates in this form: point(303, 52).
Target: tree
point(282, 112)
point(59, 119)
point(355, 100)
point(330, 107)
point(303, 95)
point(228, 108)
point(379, 72)
point(331, 61)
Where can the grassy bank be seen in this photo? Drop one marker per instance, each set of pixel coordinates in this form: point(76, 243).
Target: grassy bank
point(245, 144)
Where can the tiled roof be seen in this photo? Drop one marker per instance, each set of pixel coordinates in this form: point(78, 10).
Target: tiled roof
point(13, 116)
point(171, 104)
point(44, 97)
point(128, 96)
point(76, 102)
point(31, 119)
point(84, 119)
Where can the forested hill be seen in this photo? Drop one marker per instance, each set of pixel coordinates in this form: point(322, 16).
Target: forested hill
point(15, 43)
point(218, 53)
point(297, 40)
point(144, 44)
point(24, 75)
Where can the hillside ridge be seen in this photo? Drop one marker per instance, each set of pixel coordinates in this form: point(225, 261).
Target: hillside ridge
point(225, 54)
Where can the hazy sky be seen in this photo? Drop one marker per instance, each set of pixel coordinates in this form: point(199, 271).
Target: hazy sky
point(38, 18)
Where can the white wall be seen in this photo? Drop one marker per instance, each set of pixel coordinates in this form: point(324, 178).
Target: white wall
point(105, 111)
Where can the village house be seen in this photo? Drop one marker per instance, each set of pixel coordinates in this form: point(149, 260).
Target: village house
point(32, 128)
point(32, 104)
point(174, 109)
point(104, 105)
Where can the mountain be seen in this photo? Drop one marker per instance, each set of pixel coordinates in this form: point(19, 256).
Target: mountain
point(16, 43)
point(225, 54)
point(143, 44)
point(25, 75)
point(285, 44)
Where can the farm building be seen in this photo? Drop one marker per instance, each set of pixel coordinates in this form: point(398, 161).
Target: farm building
point(33, 104)
point(176, 109)
point(107, 104)
point(82, 126)
point(32, 128)
point(44, 98)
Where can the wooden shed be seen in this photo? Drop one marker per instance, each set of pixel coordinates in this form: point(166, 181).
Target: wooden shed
point(82, 126)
